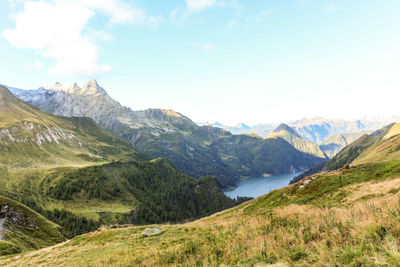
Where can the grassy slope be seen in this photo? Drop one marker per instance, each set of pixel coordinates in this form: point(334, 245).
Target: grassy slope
point(109, 191)
point(24, 229)
point(355, 222)
point(387, 149)
point(299, 143)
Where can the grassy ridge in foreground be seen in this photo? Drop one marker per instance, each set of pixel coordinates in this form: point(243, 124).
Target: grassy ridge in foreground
point(347, 217)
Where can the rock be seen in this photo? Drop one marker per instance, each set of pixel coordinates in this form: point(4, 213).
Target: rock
point(151, 231)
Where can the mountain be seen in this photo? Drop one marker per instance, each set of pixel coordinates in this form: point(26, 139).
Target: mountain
point(349, 217)
point(287, 133)
point(318, 129)
point(336, 142)
point(30, 137)
point(379, 146)
point(258, 156)
point(196, 150)
point(386, 150)
point(80, 176)
point(22, 229)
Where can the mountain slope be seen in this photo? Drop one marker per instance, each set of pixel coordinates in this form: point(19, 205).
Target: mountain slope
point(258, 156)
point(124, 192)
point(343, 218)
point(30, 137)
point(351, 153)
point(166, 134)
point(292, 137)
point(23, 229)
point(387, 149)
point(80, 176)
point(336, 142)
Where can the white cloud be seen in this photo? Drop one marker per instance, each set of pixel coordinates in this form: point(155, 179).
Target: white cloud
point(206, 47)
point(36, 65)
point(58, 30)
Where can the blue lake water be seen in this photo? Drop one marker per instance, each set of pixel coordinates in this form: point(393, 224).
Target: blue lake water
point(255, 187)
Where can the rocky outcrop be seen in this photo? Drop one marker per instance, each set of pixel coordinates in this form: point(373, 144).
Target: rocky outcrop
point(39, 134)
point(151, 232)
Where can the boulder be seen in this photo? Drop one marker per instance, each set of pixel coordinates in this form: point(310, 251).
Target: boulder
point(151, 231)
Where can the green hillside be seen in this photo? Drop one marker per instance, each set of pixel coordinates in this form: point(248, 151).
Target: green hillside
point(130, 192)
point(23, 229)
point(387, 149)
point(343, 218)
point(257, 156)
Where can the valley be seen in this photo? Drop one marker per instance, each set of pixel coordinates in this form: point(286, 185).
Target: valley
point(84, 179)
point(80, 176)
point(321, 222)
point(199, 133)
point(195, 150)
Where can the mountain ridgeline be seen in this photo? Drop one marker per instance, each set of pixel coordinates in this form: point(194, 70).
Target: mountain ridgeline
point(380, 146)
point(196, 150)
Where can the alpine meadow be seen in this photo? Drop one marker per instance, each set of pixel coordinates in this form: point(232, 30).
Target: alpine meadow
point(199, 133)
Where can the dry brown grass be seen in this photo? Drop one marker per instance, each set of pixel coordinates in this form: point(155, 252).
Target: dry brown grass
point(364, 232)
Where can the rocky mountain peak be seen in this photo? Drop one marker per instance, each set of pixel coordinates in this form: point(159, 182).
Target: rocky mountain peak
point(92, 88)
point(286, 128)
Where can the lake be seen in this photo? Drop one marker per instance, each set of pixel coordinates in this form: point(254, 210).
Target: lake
point(255, 187)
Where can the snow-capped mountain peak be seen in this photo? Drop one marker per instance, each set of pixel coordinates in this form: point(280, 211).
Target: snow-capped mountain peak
point(90, 88)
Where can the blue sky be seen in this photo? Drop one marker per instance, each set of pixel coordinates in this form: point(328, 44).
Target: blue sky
point(213, 60)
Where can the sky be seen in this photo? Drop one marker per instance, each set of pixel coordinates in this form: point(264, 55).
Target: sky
point(231, 61)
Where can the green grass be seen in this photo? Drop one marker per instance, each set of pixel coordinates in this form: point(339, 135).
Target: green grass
point(322, 224)
point(328, 190)
point(26, 229)
point(118, 192)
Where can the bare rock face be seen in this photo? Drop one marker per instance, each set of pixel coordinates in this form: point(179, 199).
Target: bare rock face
point(151, 232)
point(93, 101)
point(39, 134)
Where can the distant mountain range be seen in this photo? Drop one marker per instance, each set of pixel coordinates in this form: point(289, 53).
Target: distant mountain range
point(330, 134)
point(379, 146)
point(316, 130)
point(196, 150)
